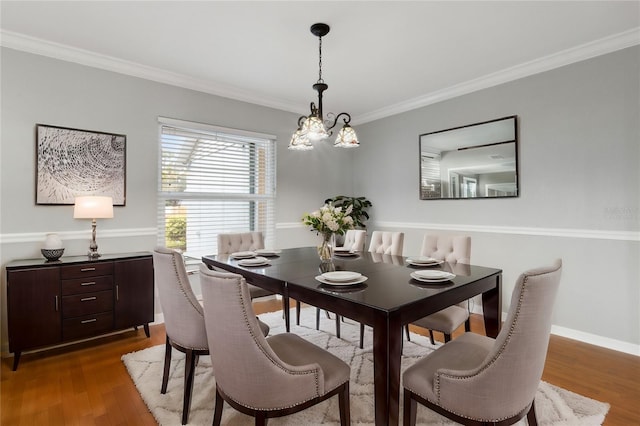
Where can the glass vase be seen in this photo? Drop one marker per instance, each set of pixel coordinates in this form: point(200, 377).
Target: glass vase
point(325, 249)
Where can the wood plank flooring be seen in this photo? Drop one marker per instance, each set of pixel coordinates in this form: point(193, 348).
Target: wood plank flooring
point(87, 384)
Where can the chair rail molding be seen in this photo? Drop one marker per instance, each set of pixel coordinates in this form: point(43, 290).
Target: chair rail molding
point(30, 237)
point(520, 230)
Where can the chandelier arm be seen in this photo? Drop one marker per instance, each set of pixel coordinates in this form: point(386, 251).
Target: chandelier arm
point(346, 120)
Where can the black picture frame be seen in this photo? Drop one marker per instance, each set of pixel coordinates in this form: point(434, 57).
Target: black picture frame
point(75, 162)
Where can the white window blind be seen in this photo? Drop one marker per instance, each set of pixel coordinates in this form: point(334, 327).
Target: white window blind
point(211, 181)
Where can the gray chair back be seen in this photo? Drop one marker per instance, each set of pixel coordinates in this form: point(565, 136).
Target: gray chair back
point(183, 314)
point(451, 249)
point(508, 378)
point(245, 366)
point(385, 242)
point(354, 239)
point(241, 241)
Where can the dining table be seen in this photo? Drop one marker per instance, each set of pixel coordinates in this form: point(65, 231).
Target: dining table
point(389, 296)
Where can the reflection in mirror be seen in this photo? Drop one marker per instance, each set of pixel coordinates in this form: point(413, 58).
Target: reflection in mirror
point(475, 161)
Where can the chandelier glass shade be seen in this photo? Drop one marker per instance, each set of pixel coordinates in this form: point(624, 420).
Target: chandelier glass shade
point(314, 128)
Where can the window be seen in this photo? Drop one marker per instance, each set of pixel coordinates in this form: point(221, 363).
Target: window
point(213, 180)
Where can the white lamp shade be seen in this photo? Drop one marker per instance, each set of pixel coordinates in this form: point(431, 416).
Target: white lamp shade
point(300, 142)
point(314, 129)
point(347, 138)
point(93, 207)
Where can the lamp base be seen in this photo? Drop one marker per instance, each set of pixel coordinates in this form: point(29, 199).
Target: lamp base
point(93, 254)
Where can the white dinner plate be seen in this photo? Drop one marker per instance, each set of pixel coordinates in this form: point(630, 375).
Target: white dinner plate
point(345, 253)
point(358, 280)
point(256, 261)
point(341, 276)
point(423, 260)
point(434, 275)
point(341, 249)
point(423, 264)
point(268, 252)
point(243, 254)
point(434, 279)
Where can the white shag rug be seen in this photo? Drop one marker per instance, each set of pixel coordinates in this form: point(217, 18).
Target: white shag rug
point(554, 406)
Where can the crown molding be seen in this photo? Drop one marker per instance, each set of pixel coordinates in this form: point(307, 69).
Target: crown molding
point(67, 53)
point(50, 49)
point(566, 57)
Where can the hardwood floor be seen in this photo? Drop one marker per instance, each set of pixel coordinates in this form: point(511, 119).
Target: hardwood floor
point(87, 384)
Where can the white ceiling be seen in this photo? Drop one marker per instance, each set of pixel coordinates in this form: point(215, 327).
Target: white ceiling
point(380, 58)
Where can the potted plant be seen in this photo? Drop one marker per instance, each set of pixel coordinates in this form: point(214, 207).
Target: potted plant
point(359, 205)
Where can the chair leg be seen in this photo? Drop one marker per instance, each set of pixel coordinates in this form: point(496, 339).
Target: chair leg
point(217, 414)
point(447, 337)
point(433, 342)
point(189, 372)
point(167, 365)
point(337, 326)
point(345, 410)
point(261, 418)
point(361, 336)
point(467, 325)
point(297, 312)
point(406, 329)
point(531, 415)
point(317, 318)
point(410, 407)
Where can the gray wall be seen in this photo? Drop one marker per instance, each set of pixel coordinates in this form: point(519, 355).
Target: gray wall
point(579, 182)
point(37, 89)
point(579, 159)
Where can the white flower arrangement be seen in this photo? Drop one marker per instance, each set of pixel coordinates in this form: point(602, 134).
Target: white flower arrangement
point(329, 220)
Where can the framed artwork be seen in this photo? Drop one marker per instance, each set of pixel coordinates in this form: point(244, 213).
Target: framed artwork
point(73, 162)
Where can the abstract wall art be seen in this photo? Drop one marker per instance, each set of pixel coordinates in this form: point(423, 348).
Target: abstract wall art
point(73, 162)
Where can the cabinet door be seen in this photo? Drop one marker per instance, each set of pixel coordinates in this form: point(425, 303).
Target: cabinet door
point(134, 292)
point(33, 303)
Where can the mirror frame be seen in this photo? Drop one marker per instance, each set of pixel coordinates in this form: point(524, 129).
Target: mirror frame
point(482, 144)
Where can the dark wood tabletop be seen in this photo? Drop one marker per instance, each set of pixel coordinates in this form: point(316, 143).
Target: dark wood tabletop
point(387, 300)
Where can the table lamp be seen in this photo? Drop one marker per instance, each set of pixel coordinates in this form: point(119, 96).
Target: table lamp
point(93, 207)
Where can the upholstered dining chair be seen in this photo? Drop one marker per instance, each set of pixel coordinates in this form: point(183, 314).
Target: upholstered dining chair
point(386, 243)
point(453, 250)
point(243, 241)
point(258, 376)
point(354, 239)
point(183, 319)
point(476, 380)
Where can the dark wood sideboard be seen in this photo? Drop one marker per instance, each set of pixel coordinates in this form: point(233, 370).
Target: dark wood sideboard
point(76, 297)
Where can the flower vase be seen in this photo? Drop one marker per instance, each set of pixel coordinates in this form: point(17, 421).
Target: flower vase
point(325, 249)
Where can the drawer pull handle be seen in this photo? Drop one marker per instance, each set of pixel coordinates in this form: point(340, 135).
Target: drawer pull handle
point(89, 283)
point(87, 269)
point(56, 303)
point(86, 299)
point(89, 320)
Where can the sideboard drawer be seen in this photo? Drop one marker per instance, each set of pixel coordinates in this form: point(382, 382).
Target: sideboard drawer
point(87, 326)
point(87, 285)
point(88, 303)
point(86, 270)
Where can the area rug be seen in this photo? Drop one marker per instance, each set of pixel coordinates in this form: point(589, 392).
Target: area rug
point(554, 406)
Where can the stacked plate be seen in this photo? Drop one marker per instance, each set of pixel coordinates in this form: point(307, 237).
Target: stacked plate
point(423, 261)
point(344, 252)
point(268, 252)
point(341, 278)
point(254, 261)
point(243, 254)
point(431, 276)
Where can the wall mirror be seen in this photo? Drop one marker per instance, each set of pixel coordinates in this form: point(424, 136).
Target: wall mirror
point(474, 161)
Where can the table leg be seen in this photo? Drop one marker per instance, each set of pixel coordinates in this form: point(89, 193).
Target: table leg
point(287, 313)
point(492, 308)
point(387, 353)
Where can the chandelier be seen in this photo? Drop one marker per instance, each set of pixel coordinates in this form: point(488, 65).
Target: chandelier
point(313, 128)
